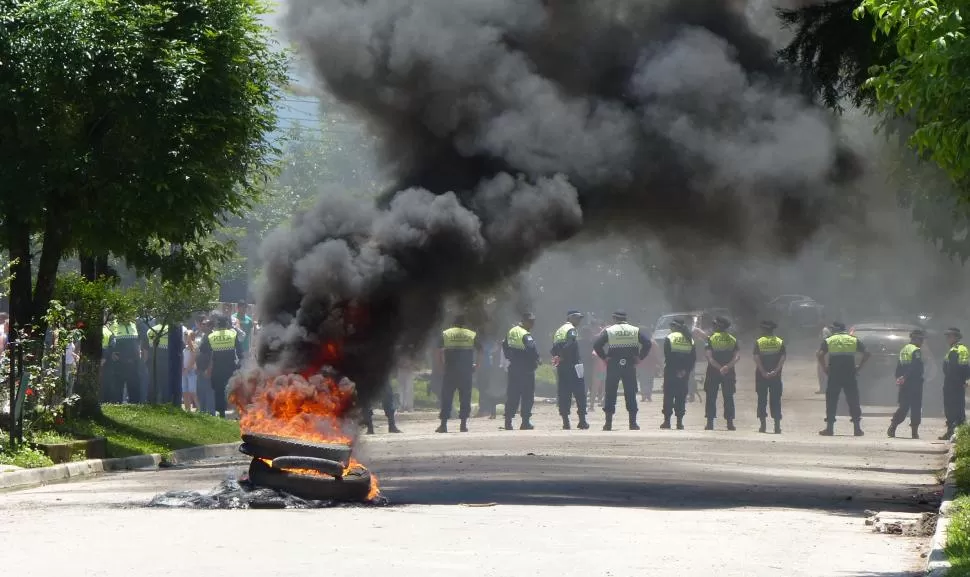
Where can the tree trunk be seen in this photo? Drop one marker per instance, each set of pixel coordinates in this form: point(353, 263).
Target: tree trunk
point(89, 373)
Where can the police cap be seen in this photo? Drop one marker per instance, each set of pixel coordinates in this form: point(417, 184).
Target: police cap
point(574, 313)
point(838, 326)
point(769, 325)
point(954, 332)
point(722, 323)
point(528, 317)
point(678, 324)
point(619, 315)
point(917, 334)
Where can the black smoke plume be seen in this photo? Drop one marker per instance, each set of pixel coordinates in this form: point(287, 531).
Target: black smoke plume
point(516, 124)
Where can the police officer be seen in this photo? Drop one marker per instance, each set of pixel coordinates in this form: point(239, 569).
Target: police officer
point(956, 371)
point(387, 404)
point(125, 357)
point(220, 354)
point(722, 353)
point(837, 355)
point(909, 379)
point(158, 362)
point(523, 356)
point(769, 358)
point(569, 369)
point(679, 359)
point(622, 345)
point(457, 347)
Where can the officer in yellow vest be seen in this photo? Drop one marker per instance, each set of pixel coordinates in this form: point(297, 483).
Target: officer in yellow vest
point(158, 363)
point(837, 356)
point(909, 379)
point(523, 356)
point(220, 354)
point(956, 371)
point(769, 358)
point(126, 354)
point(457, 347)
point(622, 346)
point(679, 359)
point(722, 353)
point(570, 371)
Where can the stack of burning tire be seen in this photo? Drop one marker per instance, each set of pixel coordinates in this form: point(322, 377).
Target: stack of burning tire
point(317, 471)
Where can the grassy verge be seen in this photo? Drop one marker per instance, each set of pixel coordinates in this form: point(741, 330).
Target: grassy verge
point(144, 429)
point(958, 534)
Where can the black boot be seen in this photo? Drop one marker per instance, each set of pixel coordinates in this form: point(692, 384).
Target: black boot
point(666, 423)
point(609, 422)
point(710, 425)
point(508, 424)
point(764, 426)
point(857, 429)
point(828, 431)
point(777, 427)
point(582, 423)
point(730, 425)
point(464, 426)
point(680, 423)
point(526, 425)
point(565, 423)
point(443, 428)
point(633, 423)
point(949, 433)
point(392, 426)
point(915, 429)
point(891, 431)
point(369, 423)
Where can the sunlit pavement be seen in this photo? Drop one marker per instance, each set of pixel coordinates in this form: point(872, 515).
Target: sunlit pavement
point(543, 502)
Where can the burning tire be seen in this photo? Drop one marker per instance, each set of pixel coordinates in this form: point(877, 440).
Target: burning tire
point(354, 486)
point(271, 447)
point(333, 468)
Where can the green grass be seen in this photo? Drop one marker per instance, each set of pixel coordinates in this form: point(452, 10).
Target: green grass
point(958, 538)
point(961, 473)
point(145, 429)
point(25, 457)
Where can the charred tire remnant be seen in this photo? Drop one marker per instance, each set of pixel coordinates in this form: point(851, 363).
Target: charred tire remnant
point(353, 487)
point(271, 447)
point(326, 466)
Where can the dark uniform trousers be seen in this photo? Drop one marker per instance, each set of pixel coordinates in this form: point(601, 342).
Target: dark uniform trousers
point(675, 395)
point(627, 373)
point(387, 405)
point(836, 385)
point(121, 373)
point(769, 396)
point(954, 404)
point(521, 391)
point(570, 386)
point(727, 384)
point(910, 401)
point(220, 380)
point(459, 380)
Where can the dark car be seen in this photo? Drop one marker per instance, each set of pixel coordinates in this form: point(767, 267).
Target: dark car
point(883, 340)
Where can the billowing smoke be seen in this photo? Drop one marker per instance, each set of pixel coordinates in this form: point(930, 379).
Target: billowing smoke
point(513, 125)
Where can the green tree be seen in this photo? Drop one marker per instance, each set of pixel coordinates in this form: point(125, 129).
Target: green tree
point(129, 127)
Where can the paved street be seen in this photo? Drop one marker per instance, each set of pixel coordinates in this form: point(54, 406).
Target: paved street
point(545, 502)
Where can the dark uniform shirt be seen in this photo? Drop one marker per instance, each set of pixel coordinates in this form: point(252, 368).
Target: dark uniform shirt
point(460, 345)
point(679, 354)
point(520, 349)
point(842, 348)
point(910, 364)
point(223, 348)
point(565, 345)
point(956, 366)
point(723, 347)
point(622, 341)
point(770, 349)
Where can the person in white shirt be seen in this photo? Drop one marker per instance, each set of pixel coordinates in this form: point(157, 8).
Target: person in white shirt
point(190, 397)
point(70, 366)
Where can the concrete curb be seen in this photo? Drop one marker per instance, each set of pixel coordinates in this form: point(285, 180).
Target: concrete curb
point(937, 564)
point(65, 471)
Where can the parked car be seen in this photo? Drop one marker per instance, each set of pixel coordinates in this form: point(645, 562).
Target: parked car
point(884, 339)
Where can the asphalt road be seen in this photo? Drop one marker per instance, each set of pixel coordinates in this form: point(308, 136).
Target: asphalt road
point(543, 502)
